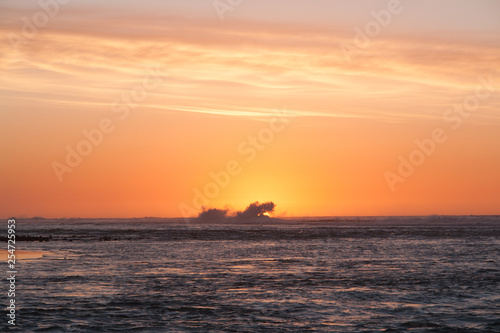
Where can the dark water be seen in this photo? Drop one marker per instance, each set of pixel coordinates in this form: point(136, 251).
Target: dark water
point(437, 274)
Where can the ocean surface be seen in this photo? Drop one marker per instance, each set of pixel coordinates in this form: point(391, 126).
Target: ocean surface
point(407, 274)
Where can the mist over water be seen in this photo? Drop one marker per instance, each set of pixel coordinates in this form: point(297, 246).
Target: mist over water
point(421, 274)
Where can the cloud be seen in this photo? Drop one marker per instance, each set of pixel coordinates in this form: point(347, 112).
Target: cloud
point(225, 69)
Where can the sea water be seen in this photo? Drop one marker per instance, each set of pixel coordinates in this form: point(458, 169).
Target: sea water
point(419, 274)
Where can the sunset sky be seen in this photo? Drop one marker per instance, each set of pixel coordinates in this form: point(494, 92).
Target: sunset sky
point(310, 104)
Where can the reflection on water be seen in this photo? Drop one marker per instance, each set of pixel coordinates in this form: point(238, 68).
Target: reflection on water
point(348, 278)
point(21, 254)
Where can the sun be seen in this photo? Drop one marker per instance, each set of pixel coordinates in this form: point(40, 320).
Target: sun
point(266, 214)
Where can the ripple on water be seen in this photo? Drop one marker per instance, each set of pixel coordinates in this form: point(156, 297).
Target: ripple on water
point(348, 279)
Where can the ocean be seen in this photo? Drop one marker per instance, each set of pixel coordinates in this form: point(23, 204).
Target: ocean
point(380, 274)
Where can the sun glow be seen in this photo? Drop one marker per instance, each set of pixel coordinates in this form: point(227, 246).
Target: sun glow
point(252, 109)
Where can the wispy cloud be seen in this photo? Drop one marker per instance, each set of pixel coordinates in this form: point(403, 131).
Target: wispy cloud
point(238, 68)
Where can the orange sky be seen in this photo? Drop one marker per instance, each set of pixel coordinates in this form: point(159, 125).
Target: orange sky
point(298, 123)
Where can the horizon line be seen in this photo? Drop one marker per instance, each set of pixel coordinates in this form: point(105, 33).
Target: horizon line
point(273, 217)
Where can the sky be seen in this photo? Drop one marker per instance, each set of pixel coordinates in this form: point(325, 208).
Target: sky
point(326, 108)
